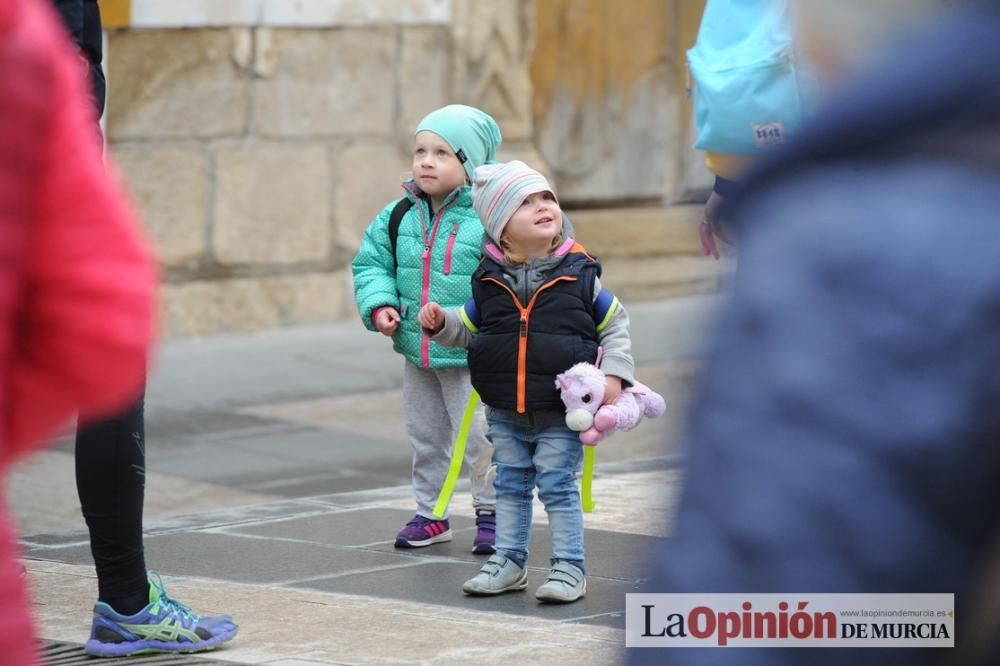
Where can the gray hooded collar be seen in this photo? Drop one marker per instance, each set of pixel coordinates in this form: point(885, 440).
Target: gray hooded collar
point(525, 279)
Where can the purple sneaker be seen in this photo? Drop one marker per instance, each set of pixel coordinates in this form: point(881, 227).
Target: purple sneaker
point(164, 625)
point(421, 532)
point(486, 532)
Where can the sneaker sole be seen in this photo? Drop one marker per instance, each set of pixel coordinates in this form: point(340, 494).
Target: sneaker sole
point(484, 549)
point(440, 538)
point(99, 649)
point(558, 599)
point(519, 584)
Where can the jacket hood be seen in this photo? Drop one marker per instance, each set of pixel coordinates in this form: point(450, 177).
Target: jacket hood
point(935, 94)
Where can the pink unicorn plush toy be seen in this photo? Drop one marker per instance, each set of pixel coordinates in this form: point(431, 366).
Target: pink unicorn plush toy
point(582, 391)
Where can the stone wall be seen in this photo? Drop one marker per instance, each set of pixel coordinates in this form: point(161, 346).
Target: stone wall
point(259, 137)
point(258, 155)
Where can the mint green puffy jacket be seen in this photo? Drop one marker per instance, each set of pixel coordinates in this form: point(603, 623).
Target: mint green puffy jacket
point(443, 274)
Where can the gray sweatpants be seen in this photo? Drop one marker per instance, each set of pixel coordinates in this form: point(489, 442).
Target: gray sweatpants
point(434, 401)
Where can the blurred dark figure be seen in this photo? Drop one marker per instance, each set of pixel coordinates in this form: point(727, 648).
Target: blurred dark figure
point(77, 283)
point(83, 20)
point(845, 434)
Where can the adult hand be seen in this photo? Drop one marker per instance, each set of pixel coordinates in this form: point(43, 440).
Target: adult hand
point(431, 317)
point(387, 321)
point(712, 227)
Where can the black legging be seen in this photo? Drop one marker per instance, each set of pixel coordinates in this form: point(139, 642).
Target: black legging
point(110, 479)
point(111, 454)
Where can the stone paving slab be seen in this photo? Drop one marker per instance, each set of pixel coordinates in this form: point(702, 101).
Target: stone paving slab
point(291, 461)
point(42, 490)
point(635, 502)
point(238, 558)
point(609, 554)
point(272, 496)
point(440, 584)
point(298, 626)
point(350, 551)
point(362, 527)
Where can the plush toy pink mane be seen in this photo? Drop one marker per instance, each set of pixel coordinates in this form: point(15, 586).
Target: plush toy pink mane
point(582, 391)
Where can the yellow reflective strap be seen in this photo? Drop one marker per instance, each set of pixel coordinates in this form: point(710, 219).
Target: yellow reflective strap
point(465, 320)
point(456, 456)
point(587, 483)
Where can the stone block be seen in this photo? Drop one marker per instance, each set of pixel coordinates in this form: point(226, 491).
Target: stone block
point(175, 84)
point(272, 204)
point(607, 98)
point(170, 186)
point(527, 152)
point(491, 46)
point(252, 304)
point(287, 13)
point(193, 13)
point(653, 278)
point(328, 82)
point(423, 77)
point(309, 299)
point(639, 232)
point(354, 13)
point(367, 176)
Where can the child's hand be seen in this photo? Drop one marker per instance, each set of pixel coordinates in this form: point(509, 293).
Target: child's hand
point(612, 389)
point(431, 317)
point(387, 321)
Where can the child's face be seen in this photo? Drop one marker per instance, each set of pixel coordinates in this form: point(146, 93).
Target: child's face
point(436, 169)
point(535, 224)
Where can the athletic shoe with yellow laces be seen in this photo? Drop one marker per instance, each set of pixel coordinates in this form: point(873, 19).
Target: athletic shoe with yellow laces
point(164, 625)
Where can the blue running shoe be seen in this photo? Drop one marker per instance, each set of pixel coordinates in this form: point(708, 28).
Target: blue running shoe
point(164, 625)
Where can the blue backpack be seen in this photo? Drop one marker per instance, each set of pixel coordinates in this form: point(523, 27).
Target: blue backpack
point(749, 90)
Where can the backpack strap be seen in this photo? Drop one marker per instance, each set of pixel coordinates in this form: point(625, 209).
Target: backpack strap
point(395, 218)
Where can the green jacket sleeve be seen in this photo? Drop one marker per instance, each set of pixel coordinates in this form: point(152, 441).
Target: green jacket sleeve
point(375, 270)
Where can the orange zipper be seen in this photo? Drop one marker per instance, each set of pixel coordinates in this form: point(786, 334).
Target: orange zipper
point(522, 340)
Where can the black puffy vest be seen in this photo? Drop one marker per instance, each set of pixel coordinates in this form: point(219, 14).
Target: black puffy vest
point(520, 348)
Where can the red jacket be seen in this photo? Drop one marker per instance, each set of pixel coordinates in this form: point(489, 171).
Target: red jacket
point(77, 281)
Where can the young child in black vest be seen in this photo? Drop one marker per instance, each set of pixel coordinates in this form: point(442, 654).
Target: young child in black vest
point(537, 308)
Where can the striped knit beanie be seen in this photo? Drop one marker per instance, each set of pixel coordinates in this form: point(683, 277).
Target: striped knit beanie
point(498, 190)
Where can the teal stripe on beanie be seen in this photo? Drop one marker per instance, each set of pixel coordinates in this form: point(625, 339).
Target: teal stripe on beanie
point(471, 133)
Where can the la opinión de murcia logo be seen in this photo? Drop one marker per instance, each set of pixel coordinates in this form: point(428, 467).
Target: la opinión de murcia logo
point(770, 620)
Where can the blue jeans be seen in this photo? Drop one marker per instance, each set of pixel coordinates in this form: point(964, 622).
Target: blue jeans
point(526, 456)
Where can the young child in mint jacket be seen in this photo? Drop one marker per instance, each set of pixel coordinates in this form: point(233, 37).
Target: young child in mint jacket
point(437, 250)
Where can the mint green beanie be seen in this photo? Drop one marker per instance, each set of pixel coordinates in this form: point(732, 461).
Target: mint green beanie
point(471, 133)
